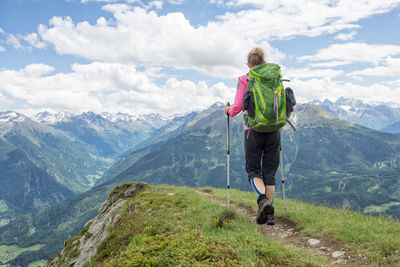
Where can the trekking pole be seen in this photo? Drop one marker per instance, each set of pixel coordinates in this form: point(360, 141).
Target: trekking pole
point(227, 156)
point(283, 179)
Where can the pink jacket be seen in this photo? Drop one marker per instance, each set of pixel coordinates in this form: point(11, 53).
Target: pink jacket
point(238, 105)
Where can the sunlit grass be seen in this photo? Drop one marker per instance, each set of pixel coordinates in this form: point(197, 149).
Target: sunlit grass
point(376, 237)
point(175, 226)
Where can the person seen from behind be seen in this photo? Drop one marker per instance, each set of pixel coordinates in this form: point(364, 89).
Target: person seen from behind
point(262, 150)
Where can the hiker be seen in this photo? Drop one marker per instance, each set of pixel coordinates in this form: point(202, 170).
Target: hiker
point(261, 148)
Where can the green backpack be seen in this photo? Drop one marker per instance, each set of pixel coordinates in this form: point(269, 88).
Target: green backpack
point(266, 99)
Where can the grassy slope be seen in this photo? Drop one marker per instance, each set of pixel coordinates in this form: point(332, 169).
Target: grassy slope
point(376, 237)
point(186, 228)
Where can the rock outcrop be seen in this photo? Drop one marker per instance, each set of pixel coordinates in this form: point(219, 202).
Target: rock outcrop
point(79, 250)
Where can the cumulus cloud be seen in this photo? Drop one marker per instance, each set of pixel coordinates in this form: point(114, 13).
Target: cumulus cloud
point(345, 36)
point(109, 87)
point(1, 31)
point(333, 63)
point(219, 48)
point(34, 40)
point(2, 49)
point(155, 4)
point(35, 70)
point(394, 83)
point(217, 2)
point(175, 2)
point(145, 38)
point(14, 41)
point(321, 89)
point(106, 1)
point(389, 68)
point(287, 19)
point(28, 41)
point(303, 73)
point(354, 52)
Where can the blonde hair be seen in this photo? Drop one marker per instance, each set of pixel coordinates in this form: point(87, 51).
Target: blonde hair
point(255, 57)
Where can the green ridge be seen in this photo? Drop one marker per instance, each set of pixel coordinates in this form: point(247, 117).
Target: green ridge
point(175, 226)
point(186, 229)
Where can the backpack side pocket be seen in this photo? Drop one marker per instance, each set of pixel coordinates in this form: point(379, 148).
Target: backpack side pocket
point(290, 100)
point(248, 103)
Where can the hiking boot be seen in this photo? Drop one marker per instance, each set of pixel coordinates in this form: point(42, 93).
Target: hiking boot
point(270, 216)
point(263, 208)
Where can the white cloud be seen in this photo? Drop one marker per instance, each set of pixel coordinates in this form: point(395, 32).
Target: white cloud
point(287, 19)
point(175, 2)
point(145, 38)
point(345, 36)
point(219, 48)
point(106, 1)
point(354, 52)
point(14, 41)
point(145, 4)
point(217, 2)
point(394, 83)
point(36, 70)
point(1, 31)
point(2, 49)
point(326, 88)
point(155, 4)
point(302, 73)
point(34, 40)
point(109, 87)
point(389, 68)
point(333, 63)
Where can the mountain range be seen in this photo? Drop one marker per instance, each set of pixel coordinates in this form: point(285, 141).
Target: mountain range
point(378, 116)
point(327, 160)
point(50, 157)
point(110, 134)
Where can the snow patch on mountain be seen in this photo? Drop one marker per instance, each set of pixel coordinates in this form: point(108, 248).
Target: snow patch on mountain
point(375, 115)
point(11, 116)
point(51, 118)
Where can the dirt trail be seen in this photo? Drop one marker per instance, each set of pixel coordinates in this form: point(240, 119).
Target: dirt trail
point(285, 231)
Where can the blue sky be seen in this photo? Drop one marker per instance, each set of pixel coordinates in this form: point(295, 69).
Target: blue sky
point(175, 56)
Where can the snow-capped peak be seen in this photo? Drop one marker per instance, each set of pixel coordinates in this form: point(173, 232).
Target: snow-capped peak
point(377, 115)
point(50, 118)
point(11, 116)
point(118, 117)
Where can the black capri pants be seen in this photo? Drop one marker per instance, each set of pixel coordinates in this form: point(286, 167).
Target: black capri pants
point(262, 155)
